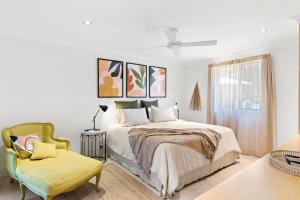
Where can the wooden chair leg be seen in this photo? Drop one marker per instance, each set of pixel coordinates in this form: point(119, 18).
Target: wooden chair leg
point(23, 191)
point(98, 181)
point(49, 198)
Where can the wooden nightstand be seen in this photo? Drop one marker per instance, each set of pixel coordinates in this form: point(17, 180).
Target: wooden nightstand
point(93, 144)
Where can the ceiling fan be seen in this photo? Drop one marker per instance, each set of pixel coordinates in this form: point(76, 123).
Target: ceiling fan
point(176, 45)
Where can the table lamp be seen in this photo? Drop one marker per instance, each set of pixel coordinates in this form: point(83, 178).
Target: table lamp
point(104, 109)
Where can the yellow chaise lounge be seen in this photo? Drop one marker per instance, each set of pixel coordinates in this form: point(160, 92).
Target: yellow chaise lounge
point(52, 176)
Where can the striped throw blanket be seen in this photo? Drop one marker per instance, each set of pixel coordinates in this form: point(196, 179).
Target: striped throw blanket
point(144, 142)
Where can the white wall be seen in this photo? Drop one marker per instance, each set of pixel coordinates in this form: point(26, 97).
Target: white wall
point(196, 71)
point(285, 65)
point(50, 83)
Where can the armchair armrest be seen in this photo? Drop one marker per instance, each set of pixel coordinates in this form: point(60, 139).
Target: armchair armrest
point(11, 162)
point(61, 143)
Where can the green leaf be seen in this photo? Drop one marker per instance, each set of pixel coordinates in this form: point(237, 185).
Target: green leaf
point(139, 84)
point(136, 74)
point(142, 70)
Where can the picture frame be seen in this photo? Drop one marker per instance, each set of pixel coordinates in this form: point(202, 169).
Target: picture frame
point(136, 80)
point(157, 82)
point(109, 78)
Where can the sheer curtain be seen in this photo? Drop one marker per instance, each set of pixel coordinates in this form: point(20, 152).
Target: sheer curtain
point(241, 97)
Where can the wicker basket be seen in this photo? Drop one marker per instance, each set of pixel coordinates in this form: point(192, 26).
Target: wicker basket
point(277, 159)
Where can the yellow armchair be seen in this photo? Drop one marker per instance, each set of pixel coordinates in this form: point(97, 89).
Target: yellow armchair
point(52, 176)
point(11, 162)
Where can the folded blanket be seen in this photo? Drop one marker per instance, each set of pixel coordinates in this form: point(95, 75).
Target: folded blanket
point(144, 141)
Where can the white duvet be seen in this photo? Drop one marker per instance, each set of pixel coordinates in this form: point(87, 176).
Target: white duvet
point(170, 161)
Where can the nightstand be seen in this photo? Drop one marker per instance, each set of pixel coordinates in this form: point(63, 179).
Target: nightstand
point(93, 144)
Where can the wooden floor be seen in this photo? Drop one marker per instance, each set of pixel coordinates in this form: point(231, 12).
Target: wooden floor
point(117, 184)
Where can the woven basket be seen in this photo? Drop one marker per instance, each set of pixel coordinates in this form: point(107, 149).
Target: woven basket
point(277, 159)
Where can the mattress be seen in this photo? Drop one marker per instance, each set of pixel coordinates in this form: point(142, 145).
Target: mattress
point(171, 162)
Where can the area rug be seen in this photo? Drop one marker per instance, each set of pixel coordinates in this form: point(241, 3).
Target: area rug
point(118, 184)
point(115, 184)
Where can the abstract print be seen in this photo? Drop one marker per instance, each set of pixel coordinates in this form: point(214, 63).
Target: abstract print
point(110, 78)
point(157, 81)
point(136, 84)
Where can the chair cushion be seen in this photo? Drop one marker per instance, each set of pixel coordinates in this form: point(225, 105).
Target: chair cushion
point(43, 150)
point(52, 176)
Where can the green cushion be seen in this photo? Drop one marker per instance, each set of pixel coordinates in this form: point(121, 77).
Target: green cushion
point(126, 104)
point(148, 104)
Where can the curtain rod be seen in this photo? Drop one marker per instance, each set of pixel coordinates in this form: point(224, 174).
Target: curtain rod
point(241, 60)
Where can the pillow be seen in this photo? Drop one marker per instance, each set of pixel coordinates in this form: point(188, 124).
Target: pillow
point(163, 114)
point(23, 145)
point(147, 105)
point(126, 104)
point(132, 117)
point(43, 150)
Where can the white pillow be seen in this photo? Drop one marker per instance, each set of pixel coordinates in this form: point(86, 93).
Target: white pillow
point(160, 114)
point(132, 117)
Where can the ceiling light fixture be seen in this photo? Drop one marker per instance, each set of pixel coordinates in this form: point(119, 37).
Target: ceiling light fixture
point(88, 22)
point(264, 30)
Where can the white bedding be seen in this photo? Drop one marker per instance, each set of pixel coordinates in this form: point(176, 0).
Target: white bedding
point(171, 161)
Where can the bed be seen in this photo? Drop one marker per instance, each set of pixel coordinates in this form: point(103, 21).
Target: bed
point(173, 165)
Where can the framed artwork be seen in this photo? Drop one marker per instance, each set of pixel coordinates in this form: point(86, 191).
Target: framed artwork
point(157, 82)
point(110, 78)
point(136, 80)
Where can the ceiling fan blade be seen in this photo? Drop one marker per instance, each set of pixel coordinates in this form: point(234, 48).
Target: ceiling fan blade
point(171, 34)
point(154, 47)
point(200, 43)
point(176, 51)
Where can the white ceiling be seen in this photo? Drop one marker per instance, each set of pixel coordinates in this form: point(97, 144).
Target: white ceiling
point(128, 25)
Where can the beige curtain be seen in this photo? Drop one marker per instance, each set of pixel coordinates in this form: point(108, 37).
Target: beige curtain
point(241, 97)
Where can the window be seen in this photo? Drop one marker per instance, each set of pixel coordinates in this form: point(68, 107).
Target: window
point(242, 98)
point(237, 86)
